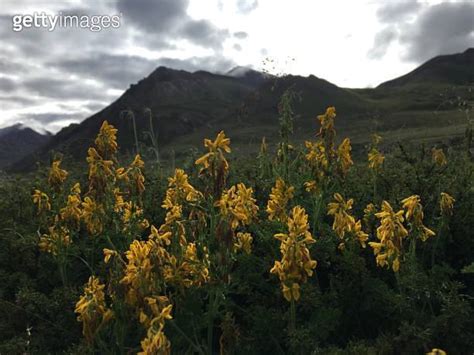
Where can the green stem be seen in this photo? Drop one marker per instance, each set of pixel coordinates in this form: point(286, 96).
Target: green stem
point(210, 324)
point(375, 186)
point(188, 339)
point(292, 325)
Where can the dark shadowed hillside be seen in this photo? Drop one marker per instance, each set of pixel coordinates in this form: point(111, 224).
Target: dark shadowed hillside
point(18, 141)
point(454, 69)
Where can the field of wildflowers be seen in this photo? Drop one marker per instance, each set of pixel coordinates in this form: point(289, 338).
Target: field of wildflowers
point(304, 250)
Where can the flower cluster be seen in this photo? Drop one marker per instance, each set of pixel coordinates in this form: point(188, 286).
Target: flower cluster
point(41, 200)
point(414, 215)
point(214, 163)
point(344, 222)
point(344, 159)
point(106, 141)
point(322, 156)
point(296, 264)
point(390, 234)
point(156, 341)
point(55, 240)
point(375, 157)
point(238, 204)
point(56, 175)
point(92, 310)
point(280, 196)
point(327, 131)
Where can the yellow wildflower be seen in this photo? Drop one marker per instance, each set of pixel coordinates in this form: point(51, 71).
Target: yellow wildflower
point(138, 272)
point(296, 264)
point(108, 253)
point(376, 159)
point(436, 352)
point(376, 139)
point(360, 235)
point(91, 308)
point(56, 175)
point(179, 190)
point(238, 203)
point(156, 342)
point(280, 196)
point(214, 160)
point(72, 213)
point(340, 209)
point(446, 204)
point(57, 239)
point(100, 171)
point(311, 186)
point(135, 172)
point(92, 214)
point(344, 156)
point(344, 222)
point(369, 211)
point(291, 292)
point(414, 214)
point(41, 200)
point(390, 234)
point(317, 155)
point(438, 157)
point(106, 140)
point(327, 119)
point(243, 242)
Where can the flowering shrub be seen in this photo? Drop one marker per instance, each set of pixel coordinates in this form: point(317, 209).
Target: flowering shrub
point(265, 257)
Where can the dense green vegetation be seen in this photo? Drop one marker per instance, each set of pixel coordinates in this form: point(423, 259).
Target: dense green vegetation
point(223, 297)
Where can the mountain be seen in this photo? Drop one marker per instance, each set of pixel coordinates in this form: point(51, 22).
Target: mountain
point(180, 102)
point(249, 75)
point(18, 141)
point(186, 107)
point(453, 69)
point(185, 104)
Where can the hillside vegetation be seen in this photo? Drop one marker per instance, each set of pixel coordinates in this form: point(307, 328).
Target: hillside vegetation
point(301, 249)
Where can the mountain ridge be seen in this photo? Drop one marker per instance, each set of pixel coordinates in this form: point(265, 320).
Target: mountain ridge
point(187, 104)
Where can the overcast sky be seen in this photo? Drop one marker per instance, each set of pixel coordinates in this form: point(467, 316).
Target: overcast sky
point(49, 79)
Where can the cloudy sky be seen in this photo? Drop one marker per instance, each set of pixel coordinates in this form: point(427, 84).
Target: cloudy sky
point(49, 79)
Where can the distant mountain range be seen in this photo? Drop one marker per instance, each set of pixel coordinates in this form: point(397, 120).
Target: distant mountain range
point(187, 106)
point(18, 141)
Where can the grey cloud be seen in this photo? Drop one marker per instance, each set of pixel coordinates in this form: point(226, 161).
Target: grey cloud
point(7, 84)
point(437, 29)
point(237, 47)
point(9, 66)
point(62, 89)
point(162, 22)
point(241, 35)
point(443, 29)
point(246, 6)
point(382, 41)
point(44, 61)
point(204, 33)
point(117, 71)
point(395, 11)
point(15, 101)
point(156, 16)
